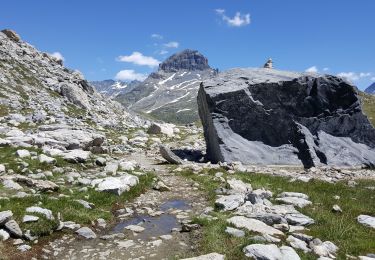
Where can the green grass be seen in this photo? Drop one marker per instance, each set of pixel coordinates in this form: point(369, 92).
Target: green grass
point(3, 110)
point(342, 229)
point(368, 103)
point(70, 210)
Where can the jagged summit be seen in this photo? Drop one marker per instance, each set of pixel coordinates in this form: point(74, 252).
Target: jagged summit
point(190, 60)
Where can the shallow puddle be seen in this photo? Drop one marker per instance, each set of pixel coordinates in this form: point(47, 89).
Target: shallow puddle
point(158, 225)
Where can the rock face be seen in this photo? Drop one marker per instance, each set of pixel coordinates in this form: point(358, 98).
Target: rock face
point(169, 94)
point(263, 116)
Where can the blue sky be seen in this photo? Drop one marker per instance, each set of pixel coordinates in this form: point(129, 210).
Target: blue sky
point(102, 38)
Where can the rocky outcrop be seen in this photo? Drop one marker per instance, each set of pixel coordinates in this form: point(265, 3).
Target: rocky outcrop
point(185, 60)
point(263, 116)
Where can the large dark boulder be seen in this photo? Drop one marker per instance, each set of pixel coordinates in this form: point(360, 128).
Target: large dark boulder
point(265, 116)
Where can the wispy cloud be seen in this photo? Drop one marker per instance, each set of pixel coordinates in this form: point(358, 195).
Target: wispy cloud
point(312, 69)
point(126, 75)
point(157, 36)
point(354, 76)
point(373, 78)
point(171, 45)
point(163, 52)
point(139, 59)
point(237, 20)
point(58, 56)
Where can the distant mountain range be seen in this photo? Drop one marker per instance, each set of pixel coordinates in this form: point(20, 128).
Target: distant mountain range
point(170, 93)
point(371, 89)
point(113, 88)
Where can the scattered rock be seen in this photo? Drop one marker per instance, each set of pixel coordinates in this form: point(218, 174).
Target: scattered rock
point(229, 202)
point(168, 155)
point(270, 252)
point(85, 204)
point(100, 161)
point(135, 228)
point(299, 219)
point(253, 225)
point(12, 185)
point(161, 186)
point(336, 208)
point(23, 153)
point(166, 129)
point(29, 218)
point(86, 233)
point(13, 228)
point(46, 212)
point(234, 232)
point(76, 156)
point(24, 248)
point(4, 235)
point(2, 168)
point(5, 216)
point(46, 159)
point(366, 220)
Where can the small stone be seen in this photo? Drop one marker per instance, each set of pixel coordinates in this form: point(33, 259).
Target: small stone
point(168, 155)
point(230, 202)
point(13, 228)
point(166, 237)
point(4, 235)
point(85, 204)
point(46, 159)
point(366, 220)
point(101, 223)
point(100, 161)
point(29, 218)
point(86, 233)
point(23, 153)
point(24, 248)
point(46, 212)
point(135, 228)
point(234, 232)
point(5, 216)
point(336, 208)
point(2, 168)
point(161, 186)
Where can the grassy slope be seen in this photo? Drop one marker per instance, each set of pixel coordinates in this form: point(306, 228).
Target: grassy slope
point(368, 106)
point(342, 229)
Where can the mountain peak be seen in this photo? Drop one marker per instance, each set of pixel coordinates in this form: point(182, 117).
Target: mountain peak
point(185, 60)
point(371, 89)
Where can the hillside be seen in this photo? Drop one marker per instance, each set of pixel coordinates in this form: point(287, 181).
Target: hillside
point(368, 106)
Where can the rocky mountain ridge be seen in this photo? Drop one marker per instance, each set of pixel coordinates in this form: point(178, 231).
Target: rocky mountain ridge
point(170, 93)
point(370, 89)
point(112, 88)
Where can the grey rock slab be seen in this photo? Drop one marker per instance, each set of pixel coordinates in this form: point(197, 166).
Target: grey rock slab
point(299, 219)
point(23, 248)
point(309, 119)
point(229, 202)
point(5, 216)
point(234, 232)
point(46, 159)
point(117, 185)
point(85, 204)
point(270, 252)
point(4, 235)
point(238, 186)
point(13, 228)
point(253, 225)
point(168, 155)
point(293, 194)
point(46, 212)
point(29, 218)
point(12, 185)
point(298, 244)
point(298, 202)
point(23, 153)
point(366, 220)
point(2, 168)
point(135, 228)
point(76, 156)
point(211, 256)
point(86, 233)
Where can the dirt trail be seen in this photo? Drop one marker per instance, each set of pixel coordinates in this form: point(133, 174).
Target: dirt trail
point(158, 212)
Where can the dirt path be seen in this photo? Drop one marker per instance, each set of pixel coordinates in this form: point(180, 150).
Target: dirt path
point(158, 212)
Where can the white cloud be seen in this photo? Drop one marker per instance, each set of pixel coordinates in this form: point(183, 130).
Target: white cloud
point(373, 78)
point(126, 75)
point(58, 56)
point(354, 76)
point(312, 69)
point(325, 69)
point(238, 19)
point(171, 45)
point(163, 52)
point(139, 59)
point(157, 36)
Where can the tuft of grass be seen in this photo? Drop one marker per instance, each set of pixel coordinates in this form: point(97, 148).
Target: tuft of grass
point(3, 110)
point(342, 229)
point(70, 210)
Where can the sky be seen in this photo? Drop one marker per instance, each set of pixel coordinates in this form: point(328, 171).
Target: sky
point(126, 40)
